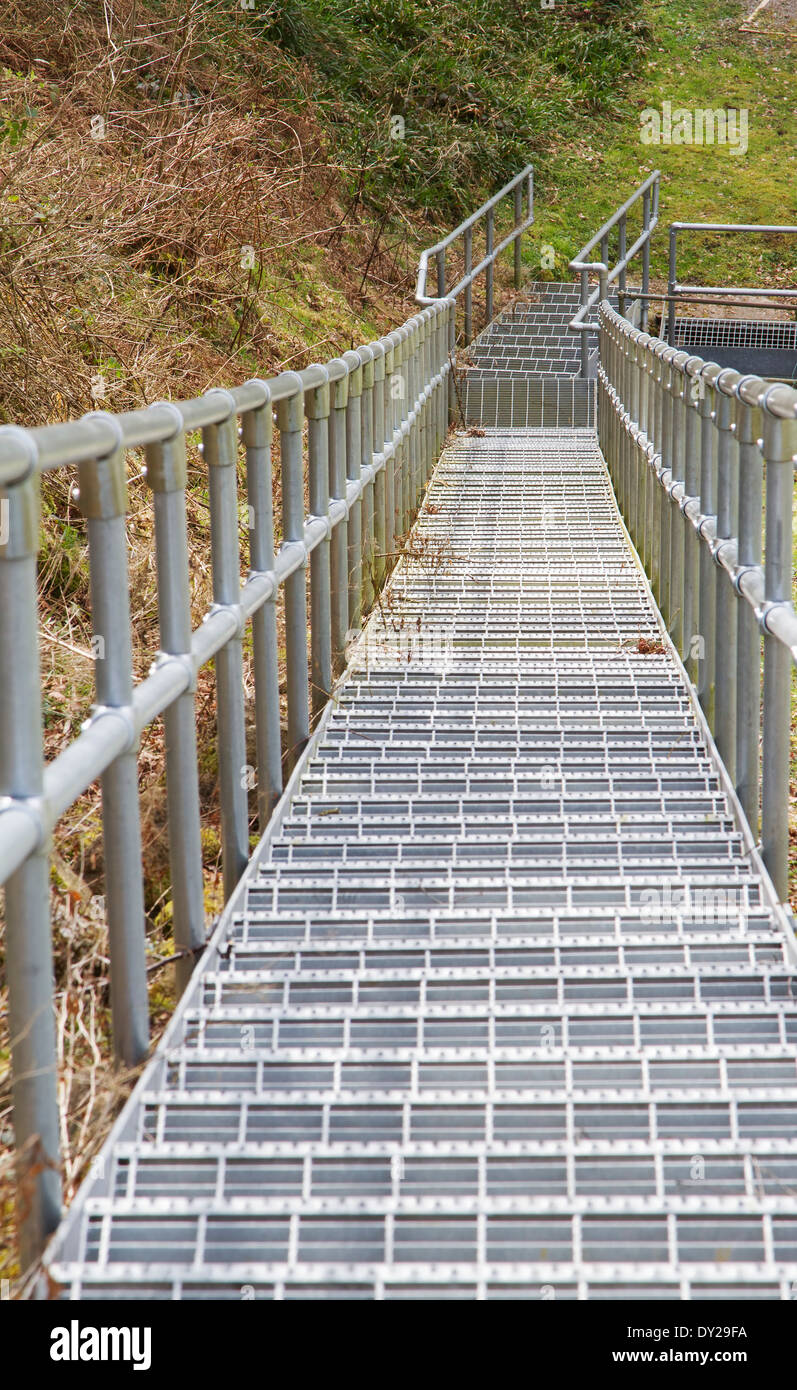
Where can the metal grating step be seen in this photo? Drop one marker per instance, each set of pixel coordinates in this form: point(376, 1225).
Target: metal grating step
point(502, 1001)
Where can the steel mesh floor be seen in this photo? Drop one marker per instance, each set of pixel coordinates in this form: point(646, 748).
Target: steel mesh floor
point(501, 1003)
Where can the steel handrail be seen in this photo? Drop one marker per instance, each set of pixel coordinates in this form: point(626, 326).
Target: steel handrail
point(464, 286)
point(694, 450)
point(365, 430)
point(676, 291)
point(648, 191)
point(375, 421)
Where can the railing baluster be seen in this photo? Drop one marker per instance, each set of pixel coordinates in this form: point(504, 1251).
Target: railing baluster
point(780, 446)
point(405, 402)
point(353, 473)
point(290, 419)
point(441, 273)
point(489, 224)
point(316, 404)
point(258, 430)
point(622, 225)
point(220, 446)
point(167, 477)
point(748, 654)
point(393, 465)
point(518, 213)
point(727, 513)
point(366, 460)
point(708, 569)
point(468, 286)
point(677, 519)
point(380, 483)
point(103, 502)
point(648, 480)
point(691, 427)
point(339, 545)
point(645, 258)
point(665, 517)
point(28, 938)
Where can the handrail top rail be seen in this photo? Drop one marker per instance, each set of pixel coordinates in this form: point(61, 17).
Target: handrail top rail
point(729, 227)
point(774, 398)
point(579, 263)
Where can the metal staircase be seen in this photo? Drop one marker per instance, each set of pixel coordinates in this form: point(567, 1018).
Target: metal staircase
point(503, 1004)
point(522, 371)
point(500, 1008)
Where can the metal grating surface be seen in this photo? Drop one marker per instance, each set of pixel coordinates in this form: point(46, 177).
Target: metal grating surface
point(749, 333)
point(500, 398)
point(500, 1003)
point(523, 369)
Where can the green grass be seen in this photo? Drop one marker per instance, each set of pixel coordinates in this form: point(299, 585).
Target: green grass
point(485, 86)
point(481, 86)
point(696, 57)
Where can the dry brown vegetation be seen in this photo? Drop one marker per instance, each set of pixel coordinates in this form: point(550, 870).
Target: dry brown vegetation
point(121, 282)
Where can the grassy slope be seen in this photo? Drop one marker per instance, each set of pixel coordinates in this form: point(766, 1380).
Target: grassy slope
point(697, 57)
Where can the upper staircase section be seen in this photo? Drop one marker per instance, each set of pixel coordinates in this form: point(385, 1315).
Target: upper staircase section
point(532, 337)
point(523, 368)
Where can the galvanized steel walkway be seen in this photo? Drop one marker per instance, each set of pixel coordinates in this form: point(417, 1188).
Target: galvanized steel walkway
point(499, 1009)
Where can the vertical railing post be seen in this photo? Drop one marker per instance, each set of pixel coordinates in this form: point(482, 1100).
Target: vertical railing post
point(665, 518)
point(290, 419)
point(623, 437)
point(380, 488)
point(727, 523)
point(103, 501)
point(518, 212)
point(407, 470)
point(366, 460)
point(659, 402)
point(316, 404)
point(258, 430)
point(488, 274)
point(167, 477)
point(748, 652)
point(584, 335)
point(648, 396)
point(468, 292)
point(28, 938)
point(353, 473)
point(645, 258)
point(622, 228)
point(707, 648)
point(451, 337)
point(691, 595)
point(339, 546)
point(220, 447)
point(671, 282)
point(780, 446)
point(677, 516)
point(427, 433)
point(422, 419)
point(392, 465)
point(399, 425)
point(635, 364)
point(441, 273)
point(413, 385)
point(440, 322)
